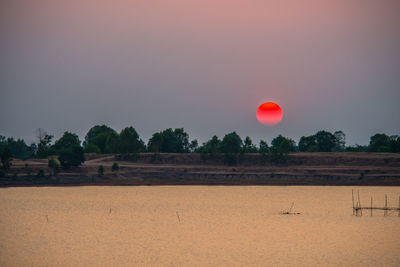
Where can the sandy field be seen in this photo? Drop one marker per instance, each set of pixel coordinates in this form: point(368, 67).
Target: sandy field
point(196, 226)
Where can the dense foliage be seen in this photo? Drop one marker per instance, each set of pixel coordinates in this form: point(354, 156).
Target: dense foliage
point(103, 139)
point(169, 141)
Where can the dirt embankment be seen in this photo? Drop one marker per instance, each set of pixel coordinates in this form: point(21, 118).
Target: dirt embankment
point(192, 169)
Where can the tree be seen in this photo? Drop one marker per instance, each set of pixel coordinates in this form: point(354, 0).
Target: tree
point(69, 151)
point(248, 146)
point(183, 140)
point(115, 167)
point(263, 147)
point(231, 146)
point(169, 141)
point(129, 141)
point(155, 142)
point(112, 143)
point(100, 141)
point(325, 141)
point(263, 150)
point(280, 148)
point(308, 144)
point(6, 158)
point(3, 143)
point(379, 143)
point(43, 147)
point(72, 156)
point(95, 131)
point(92, 148)
point(395, 144)
point(194, 144)
point(340, 141)
point(102, 136)
point(212, 146)
point(19, 149)
point(66, 141)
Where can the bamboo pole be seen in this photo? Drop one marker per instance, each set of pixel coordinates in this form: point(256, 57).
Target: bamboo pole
point(352, 197)
point(359, 202)
point(399, 206)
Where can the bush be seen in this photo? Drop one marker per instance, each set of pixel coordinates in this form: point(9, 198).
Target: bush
point(115, 167)
point(40, 173)
point(72, 156)
point(53, 164)
point(6, 159)
point(100, 170)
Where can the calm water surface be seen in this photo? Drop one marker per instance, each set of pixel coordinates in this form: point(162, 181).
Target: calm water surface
point(195, 225)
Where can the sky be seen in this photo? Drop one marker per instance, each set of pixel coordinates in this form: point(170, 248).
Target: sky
point(203, 65)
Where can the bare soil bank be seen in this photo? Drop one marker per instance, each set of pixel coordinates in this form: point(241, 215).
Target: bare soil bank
point(192, 169)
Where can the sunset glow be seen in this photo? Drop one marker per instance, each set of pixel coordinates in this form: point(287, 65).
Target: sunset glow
point(269, 113)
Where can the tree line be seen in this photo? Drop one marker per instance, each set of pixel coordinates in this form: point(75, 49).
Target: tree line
point(103, 139)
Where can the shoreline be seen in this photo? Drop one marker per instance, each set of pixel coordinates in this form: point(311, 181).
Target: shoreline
point(302, 169)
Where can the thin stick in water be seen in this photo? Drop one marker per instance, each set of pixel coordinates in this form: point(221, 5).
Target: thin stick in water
point(359, 202)
point(352, 197)
point(371, 206)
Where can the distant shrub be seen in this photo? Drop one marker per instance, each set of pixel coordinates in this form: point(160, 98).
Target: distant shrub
point(40, 173)
point(272, 175)
point(71, 156)
point(115, 167)
point(53, 164)
point(6, 158)
point(2, 173)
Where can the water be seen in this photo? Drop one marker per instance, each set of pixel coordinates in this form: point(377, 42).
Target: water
point(195, 225)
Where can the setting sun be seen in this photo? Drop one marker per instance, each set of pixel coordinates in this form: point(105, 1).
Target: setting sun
point(269, 113)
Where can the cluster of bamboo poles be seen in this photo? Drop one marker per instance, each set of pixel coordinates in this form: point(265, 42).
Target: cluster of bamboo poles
point(358, 209)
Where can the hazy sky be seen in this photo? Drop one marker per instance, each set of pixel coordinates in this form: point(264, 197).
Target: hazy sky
point(202, 65)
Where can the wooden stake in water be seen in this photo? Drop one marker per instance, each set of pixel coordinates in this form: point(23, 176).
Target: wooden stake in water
point(359, 202)
point(352, 197)
point(371, 206)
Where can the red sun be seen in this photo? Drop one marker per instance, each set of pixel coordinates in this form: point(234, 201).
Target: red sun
point(269, 113)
